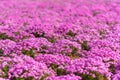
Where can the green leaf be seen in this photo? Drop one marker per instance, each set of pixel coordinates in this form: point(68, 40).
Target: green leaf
point(98, 76)
point(52, 40)
point(1, 52)
point(70, 33)
point(112, 68)
point(17, 33)
point(19, 78)
point(5, 70)
point(36, 34)
point(28, 52)
point(45, 76)
point(101, 32)
point(87, 77)
point(4, 36)
point(84, 46)
point(74, 50)
point(53, 66)
point(58, 71)
point(42, 49)
point(22, 79)
point(73, 54)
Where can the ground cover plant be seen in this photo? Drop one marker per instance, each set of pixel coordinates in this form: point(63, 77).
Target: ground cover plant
point(59, 40)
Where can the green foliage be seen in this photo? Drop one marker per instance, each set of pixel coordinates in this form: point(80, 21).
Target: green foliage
point(53, 66)
point(73, 54)
point(5, 70)
point(95, 13)
point(17, 32)
point(42, 49)
point(84, 46)
point(112, 68)
point(29, 78)
point(101, 32)
point(98, 76)
point(111, 60)
point(1, 52)
point(36, 34)
point(4, 36)
point(74, 50)
point(52, 40)
point(18, 78)
point(28, 52)
point(58, 71)
point(70, 33)
point(45, 76)
point(87, 77)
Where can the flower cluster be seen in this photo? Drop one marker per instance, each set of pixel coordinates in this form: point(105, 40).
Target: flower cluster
point(59, 40)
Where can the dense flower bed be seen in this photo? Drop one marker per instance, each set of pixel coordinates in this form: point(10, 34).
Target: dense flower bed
point(59, 40)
